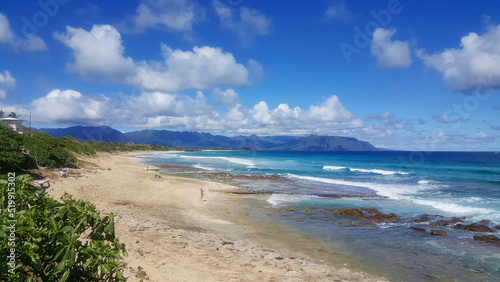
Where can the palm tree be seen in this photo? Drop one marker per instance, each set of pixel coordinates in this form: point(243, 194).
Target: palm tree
point(13, 115)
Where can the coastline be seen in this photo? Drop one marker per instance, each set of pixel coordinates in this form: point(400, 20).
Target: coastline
point(171, 235)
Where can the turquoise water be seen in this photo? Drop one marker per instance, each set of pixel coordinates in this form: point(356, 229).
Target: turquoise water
point(410, 184)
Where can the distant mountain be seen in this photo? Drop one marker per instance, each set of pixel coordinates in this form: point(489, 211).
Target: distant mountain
point(185, 139)
point(98, 133)
point(327, 143)
point(188, 139)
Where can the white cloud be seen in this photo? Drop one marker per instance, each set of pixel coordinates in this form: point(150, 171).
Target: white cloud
point(445, 119)
point(99, 52)
point(262, 115)
point(183, 112)
point(390, 54)
point(169, 15)
point(156, 103)
point(479, 135)
point(338, 12)
point(70, 107)
point(150, 104)
point(6, 79)
point(175, 111)
point(5, 32)
point(204, 67)
point(250, 23)
point(256, 71)
point(6, 82)
point(228, 98)
point(327, 118)
point(474, 66)
point(28, 43)
point(236, 115)
point(387, 120)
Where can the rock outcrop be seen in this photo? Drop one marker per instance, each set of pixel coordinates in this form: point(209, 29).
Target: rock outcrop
point(475, 227)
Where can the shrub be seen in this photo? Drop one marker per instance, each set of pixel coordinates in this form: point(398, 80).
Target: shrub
point(10, 147)
point(45, 150)
point(53, 240)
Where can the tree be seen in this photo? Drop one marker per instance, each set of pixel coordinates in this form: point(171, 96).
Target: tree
point(1, 113)
point(13, 115)
point(10, 147)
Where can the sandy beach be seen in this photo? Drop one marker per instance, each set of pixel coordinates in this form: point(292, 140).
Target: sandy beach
point(172, 234)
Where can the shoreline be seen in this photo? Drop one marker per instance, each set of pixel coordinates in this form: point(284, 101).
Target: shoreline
point(410, 246)
point(171, 235)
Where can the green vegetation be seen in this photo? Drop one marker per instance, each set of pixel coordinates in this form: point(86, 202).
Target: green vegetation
point(43, 239)
point(10, 152)
point(21, 152)
point(44, 150)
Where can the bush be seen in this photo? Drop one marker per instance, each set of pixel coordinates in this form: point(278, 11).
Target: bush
point(10, 148)
point(45, 150)
point(53, 240)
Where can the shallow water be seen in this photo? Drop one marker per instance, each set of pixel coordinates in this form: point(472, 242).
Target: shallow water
point(448, 184)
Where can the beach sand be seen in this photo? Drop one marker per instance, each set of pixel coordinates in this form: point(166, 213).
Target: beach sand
point(172, 235)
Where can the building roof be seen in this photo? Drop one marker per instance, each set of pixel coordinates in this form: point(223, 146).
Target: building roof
point(10, 118)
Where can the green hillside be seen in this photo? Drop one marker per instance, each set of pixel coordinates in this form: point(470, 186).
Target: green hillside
point(26, 151)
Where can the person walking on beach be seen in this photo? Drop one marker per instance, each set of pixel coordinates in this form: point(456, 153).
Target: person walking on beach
point(201, 192)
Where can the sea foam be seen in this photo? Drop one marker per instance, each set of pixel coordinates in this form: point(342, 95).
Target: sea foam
point(227, 159)
point(386, 190)
point(376, 171)
point(277, 199)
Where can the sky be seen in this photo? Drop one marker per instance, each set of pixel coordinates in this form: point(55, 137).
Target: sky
point(408, 75)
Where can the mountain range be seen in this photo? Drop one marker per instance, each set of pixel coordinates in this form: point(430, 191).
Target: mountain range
point(189, 139)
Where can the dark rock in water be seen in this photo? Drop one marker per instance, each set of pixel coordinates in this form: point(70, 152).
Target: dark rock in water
point(372, 211)
point(486, 222)
point(376, 217)
point(475, 227)
point(487, 238)
point(438, 233)
point(497, 227)
point(424, 218)
point(452, 221)
point(444, 223)
point(419, 229)
point(382, 217)
point(349, 212)
point(427, 218)
point(479, 228)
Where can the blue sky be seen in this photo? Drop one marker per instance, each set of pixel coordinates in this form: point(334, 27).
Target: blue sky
point(415, 75)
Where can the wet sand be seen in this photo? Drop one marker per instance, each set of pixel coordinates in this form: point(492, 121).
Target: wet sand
point(172, 235)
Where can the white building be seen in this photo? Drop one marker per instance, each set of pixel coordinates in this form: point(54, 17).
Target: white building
point(14, 123)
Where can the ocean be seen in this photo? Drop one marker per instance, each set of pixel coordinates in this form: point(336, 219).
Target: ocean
point(422, 189)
